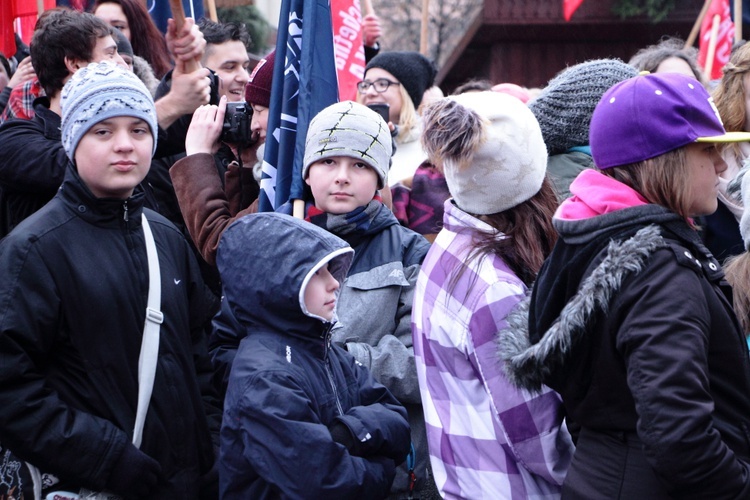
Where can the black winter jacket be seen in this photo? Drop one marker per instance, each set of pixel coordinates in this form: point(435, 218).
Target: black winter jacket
point(288, 385)
point(73, 287)
point(631, 322)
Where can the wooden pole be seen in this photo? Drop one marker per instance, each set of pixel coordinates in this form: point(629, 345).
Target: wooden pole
point(298, 209)
point(367, 5)
point(39, 8)
point(178, 14)
point(697, 26)
point(212, 11)
point(423, 37)
point(712, 46)
point(737, 20)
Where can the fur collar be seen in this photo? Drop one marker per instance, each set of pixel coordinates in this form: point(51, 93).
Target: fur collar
point(527, 365)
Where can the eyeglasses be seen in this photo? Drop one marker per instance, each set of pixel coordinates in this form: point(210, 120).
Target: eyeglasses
point(381, 85)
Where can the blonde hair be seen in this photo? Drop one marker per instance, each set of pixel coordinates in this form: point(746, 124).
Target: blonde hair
point(663, 180)
point(729, 95)
point(737, 271)
point(408, 118)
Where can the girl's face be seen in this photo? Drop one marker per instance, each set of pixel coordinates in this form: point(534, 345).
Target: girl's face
point(704, 164)
point(392, 94)
point(259, 121)
point(112, 14)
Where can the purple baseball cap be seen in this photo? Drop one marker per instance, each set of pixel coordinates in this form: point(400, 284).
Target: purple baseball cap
point(649, 115)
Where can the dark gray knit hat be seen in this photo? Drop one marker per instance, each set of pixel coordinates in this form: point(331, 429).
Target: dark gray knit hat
point(349, 129)
point(412, 70)
point(565, 105)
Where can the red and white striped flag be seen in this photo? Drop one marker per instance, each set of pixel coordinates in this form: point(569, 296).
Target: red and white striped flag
point(723, 40)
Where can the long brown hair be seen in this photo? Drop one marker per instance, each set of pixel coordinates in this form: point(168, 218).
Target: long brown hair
point(663, 180)
point(529, 236)
point(145, 37)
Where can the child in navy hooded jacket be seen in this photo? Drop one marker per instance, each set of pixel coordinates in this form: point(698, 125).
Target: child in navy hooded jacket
point(302, 418)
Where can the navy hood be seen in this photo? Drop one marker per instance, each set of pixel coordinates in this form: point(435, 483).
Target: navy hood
point(267, 259)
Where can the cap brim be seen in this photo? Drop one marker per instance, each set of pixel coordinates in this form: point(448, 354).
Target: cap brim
point(728, 137)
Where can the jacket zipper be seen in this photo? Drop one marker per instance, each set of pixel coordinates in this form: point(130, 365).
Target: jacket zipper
point(125, 211)
point(327, 347)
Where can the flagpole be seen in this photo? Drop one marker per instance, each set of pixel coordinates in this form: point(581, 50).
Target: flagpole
point(737, 20)
point(39, 7)
point(178, 14)
point(212, 11)
point(697, 26)
point(423, 45)
point(712, 46)
point(368, 7)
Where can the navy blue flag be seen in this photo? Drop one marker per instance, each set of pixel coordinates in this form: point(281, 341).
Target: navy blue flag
point(160, 11)
point(304, 82)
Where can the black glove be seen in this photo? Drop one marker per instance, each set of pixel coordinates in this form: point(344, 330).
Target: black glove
point(342, 435)
point(135, 474)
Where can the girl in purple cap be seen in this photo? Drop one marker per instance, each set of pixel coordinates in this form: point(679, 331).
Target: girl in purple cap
point(630, 319)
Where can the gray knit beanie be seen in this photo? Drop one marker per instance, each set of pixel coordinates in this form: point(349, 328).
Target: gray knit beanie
point(100, 91)
point(565, 105)
point(490, 148)
point(349, 129)
point(412, 70)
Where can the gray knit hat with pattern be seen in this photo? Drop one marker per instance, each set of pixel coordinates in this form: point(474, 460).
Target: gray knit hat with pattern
point(565, 105)
point(349, 129)
point(98, 92)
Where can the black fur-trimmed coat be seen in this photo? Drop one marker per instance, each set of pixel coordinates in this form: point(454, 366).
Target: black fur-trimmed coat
point(631, 322)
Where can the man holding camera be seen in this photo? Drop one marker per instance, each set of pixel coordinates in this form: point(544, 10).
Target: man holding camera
point(209, 203)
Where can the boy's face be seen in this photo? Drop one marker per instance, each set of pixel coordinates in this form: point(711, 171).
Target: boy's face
point(114, 156)
point(229, 60)
point(320, 294)
point(340, 184)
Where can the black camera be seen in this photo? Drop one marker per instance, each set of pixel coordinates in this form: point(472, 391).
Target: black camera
point(236, 129)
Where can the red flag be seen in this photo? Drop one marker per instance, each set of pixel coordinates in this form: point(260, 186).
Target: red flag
point(569, 7)
point(348, 50)
point(723, 40)
point(7, 39)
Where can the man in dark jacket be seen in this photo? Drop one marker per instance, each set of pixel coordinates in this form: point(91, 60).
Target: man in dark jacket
point(74, 278)
point(302, 418)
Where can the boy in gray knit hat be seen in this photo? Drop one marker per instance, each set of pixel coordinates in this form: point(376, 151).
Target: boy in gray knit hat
point(563, 110)
point(75, 278)
point(347, 154)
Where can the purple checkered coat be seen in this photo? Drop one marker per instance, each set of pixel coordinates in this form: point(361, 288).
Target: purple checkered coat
point(487, 438)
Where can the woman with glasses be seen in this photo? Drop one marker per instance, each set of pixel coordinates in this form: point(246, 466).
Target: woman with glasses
point(399, 79)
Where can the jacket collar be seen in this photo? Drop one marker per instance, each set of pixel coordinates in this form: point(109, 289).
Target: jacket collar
point(110, 212)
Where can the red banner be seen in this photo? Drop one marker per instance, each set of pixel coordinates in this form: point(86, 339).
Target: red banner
point(348, 50)
point(7, 40)
point(569, 7)
point(723, 40)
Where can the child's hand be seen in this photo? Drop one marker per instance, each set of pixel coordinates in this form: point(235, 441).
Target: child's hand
point(205, 128)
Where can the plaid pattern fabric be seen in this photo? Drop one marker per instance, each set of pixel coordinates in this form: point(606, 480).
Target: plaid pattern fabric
point(487, 439)
point(21, 101)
